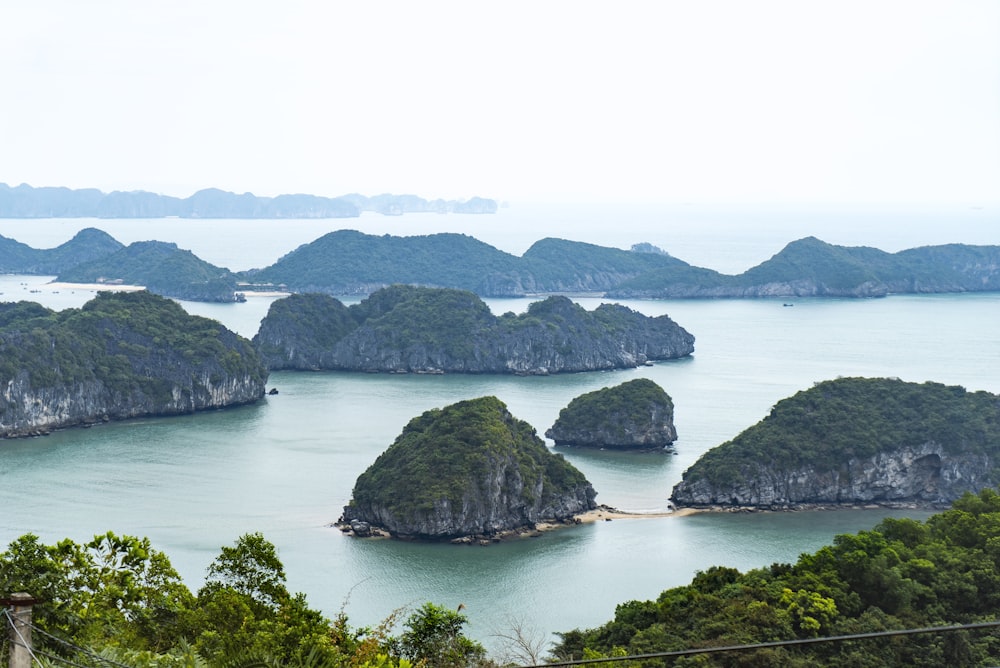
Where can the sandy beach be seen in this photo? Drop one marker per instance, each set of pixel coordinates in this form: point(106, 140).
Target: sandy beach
point(95, 287)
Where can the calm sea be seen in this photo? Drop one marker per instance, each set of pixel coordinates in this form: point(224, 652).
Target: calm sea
point(286, 466)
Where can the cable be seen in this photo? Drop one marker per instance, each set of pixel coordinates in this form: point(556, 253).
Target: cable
point(780, 643)
point(20, 638)
point(82, 650)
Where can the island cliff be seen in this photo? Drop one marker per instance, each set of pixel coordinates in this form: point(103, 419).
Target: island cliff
point(637, 415)
point(404, 329)
point(121, 355)
point(855, 441)
point(470, 469)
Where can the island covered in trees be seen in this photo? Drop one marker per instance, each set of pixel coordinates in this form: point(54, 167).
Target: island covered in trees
point(468, 472)
point(405, 329)
point(349, 262)
point(855, 441)
point(122, 355)
point(636, 415)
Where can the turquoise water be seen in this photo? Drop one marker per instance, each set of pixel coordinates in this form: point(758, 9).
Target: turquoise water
point(286, 466)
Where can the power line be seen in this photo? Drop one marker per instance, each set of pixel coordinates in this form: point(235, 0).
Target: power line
point(20, 638)
point(780, 643)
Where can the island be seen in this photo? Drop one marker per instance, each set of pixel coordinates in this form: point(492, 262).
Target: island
point(468, 472)
point(407, 329)
point(636, 415)
point(25, 201)
point(122, 355)
point(855, 441)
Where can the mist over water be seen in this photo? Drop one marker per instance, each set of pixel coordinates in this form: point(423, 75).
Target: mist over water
point(286, 466)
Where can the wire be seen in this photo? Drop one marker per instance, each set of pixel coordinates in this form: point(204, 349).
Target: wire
point(780, 643)
point(20, 638)
point(82, 650)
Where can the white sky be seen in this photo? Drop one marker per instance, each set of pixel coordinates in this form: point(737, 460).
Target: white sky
point(785, 101)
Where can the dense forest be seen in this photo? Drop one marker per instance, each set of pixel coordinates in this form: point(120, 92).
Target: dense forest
point(120, 596)
point(902, 574)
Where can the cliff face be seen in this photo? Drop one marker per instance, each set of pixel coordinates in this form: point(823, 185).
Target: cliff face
point(121, 356)
point(634, 415)
point(427, 330)
point(855, 441)
point(470, 469)
point(925, 475)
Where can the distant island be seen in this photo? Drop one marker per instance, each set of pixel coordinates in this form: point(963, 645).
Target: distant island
point(24, 201)
point(855, 441)
point(406, 329)
point(122, 355)
point(468, 472)
point(349, 262)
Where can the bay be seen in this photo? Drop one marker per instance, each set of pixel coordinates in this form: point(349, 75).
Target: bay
point(286, 466)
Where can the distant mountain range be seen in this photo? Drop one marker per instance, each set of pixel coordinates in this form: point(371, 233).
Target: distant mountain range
point(348, 262)
point(24, 201)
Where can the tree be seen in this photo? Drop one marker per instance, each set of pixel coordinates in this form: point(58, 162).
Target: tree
point(434, 635)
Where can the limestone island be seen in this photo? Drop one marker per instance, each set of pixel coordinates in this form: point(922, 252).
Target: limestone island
point(121, 355)
point(637, 415)
point(855, 442)
point(409, 329)
point(466, 473)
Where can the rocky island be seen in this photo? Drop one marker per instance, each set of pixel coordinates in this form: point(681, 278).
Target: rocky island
point(855, 441)
point(468, 472)
point(406, 329)
point(122, 355)
point(637, 415)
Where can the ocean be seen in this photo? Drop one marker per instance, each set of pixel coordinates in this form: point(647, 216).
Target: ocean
point(286, 466)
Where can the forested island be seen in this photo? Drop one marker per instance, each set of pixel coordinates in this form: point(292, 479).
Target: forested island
point(406, 329)
point(855, 441)
point(636, 415)
point(24, 201)
point(468, 472)
point(122, 355)
point(348, 262)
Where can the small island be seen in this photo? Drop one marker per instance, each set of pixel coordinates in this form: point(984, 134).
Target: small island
point(407, 329)
point(855, 441)
point(122, 355)
point(468, 473)
point(637, 415)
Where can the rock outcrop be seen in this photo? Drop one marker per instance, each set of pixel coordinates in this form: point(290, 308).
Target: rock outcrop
point(469, 469)
point(122, 355)
point(637, 415)
point(855, 441)
point(405, 329)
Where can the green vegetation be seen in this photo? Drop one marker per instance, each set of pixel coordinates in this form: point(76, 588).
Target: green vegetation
point(118, 596)
point(447, 455)
point(160, 267)
point(134, 344)
point(615, 415)
point(846, 418)
point(901, 574)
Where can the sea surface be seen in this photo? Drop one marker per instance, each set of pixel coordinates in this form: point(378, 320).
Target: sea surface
point(286, 466)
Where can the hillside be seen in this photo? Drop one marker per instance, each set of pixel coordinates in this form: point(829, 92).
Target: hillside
point(87, 245)
point(468, 469)
point(855, 441)
point(405, 329)
point(121, 355)
point(161, 268)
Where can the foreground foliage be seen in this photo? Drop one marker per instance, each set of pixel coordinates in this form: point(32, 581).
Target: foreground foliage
point(118, 597)
point(901, 574)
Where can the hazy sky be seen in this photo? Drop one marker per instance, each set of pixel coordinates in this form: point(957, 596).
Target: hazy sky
point(664, 101)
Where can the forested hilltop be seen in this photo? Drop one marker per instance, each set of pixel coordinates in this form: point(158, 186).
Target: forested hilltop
point(348, 262)
point(406, 329)
point(121, 355)
point(903, 574)
point(855, 441)
point(24, 201)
